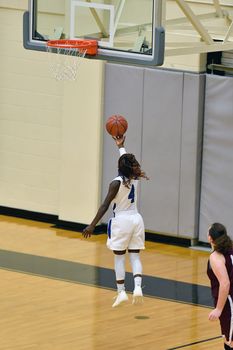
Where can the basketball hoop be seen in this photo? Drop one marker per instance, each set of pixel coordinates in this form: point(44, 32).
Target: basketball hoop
point(63, 56)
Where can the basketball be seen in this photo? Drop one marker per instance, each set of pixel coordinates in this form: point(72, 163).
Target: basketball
point(116, 125)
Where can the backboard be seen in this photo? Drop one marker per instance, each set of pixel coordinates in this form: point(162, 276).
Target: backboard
point(126, 30)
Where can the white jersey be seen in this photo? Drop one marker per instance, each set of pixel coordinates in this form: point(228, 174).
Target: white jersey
point(126, 229)
point(126, 198)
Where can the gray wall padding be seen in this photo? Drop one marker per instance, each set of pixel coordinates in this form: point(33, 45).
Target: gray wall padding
point(124, 96)
point(162, 115)
point(191, 153)
point(172, 140)
point(164, 110)
point(217, 166)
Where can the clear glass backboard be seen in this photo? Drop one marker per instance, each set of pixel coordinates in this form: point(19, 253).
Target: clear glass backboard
point(126, 30)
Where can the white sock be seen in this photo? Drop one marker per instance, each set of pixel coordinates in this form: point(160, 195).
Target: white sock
point(120, 287)
point(137, 281)
point(136, 268)
point(119, 262)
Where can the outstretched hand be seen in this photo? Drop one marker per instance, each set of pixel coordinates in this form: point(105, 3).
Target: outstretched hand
point(88, 231)
point(120, 140)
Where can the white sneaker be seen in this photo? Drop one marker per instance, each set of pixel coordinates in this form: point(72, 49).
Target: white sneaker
point(137, 295)
point(120, 298)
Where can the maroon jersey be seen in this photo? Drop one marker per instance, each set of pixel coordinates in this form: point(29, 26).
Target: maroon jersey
point(226, 318)
point(213, 279)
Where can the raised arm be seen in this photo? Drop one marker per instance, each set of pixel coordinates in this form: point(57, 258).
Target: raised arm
point(120, 140)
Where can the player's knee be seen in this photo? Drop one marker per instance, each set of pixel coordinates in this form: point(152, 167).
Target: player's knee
point(134, 250)
point(119, 252)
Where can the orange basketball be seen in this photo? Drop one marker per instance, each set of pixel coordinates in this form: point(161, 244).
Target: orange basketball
point(116, 125)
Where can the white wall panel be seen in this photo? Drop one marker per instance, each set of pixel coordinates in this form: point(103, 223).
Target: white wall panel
point(44, 126)
point(81, 144)
point(30, 123)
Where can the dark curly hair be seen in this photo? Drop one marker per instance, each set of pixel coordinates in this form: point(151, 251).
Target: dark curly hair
point(221, 241)
point(126, 165)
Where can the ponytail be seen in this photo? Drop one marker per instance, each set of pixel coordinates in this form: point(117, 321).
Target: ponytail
point(221, 241)
point(125, 167)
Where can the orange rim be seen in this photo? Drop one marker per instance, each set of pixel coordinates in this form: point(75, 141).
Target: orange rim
point(89, 45)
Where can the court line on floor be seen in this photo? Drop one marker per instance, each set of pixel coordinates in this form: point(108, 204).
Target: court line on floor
point(75, 272)
point(195, 343)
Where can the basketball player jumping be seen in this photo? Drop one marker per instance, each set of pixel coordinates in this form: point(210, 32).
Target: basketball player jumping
point(126, 228)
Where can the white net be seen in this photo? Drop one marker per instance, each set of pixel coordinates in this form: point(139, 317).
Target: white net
point(64, 61)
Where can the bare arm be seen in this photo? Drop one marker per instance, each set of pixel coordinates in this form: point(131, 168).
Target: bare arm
point(112, 192)
point(217, 262)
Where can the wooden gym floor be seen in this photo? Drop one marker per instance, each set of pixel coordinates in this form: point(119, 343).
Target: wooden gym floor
point(57, 289)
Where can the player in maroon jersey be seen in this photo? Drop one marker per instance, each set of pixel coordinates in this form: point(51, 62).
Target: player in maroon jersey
point(220, 273)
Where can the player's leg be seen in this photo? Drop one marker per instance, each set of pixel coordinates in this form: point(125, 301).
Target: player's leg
point(118, 239)
point(228, 346)
point(137, 274)
point(137, 242)
point(226, 319)
point(119, 265)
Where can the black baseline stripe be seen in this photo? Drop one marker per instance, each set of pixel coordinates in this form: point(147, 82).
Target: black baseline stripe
point(105, 278)
point(194, 343)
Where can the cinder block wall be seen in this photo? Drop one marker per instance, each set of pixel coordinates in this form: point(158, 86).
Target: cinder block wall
point(50, 132)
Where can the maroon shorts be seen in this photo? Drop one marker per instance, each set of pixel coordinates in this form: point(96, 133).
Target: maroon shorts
point(226, 319)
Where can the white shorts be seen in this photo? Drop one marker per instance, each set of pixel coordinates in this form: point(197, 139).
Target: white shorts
point(126, 231)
